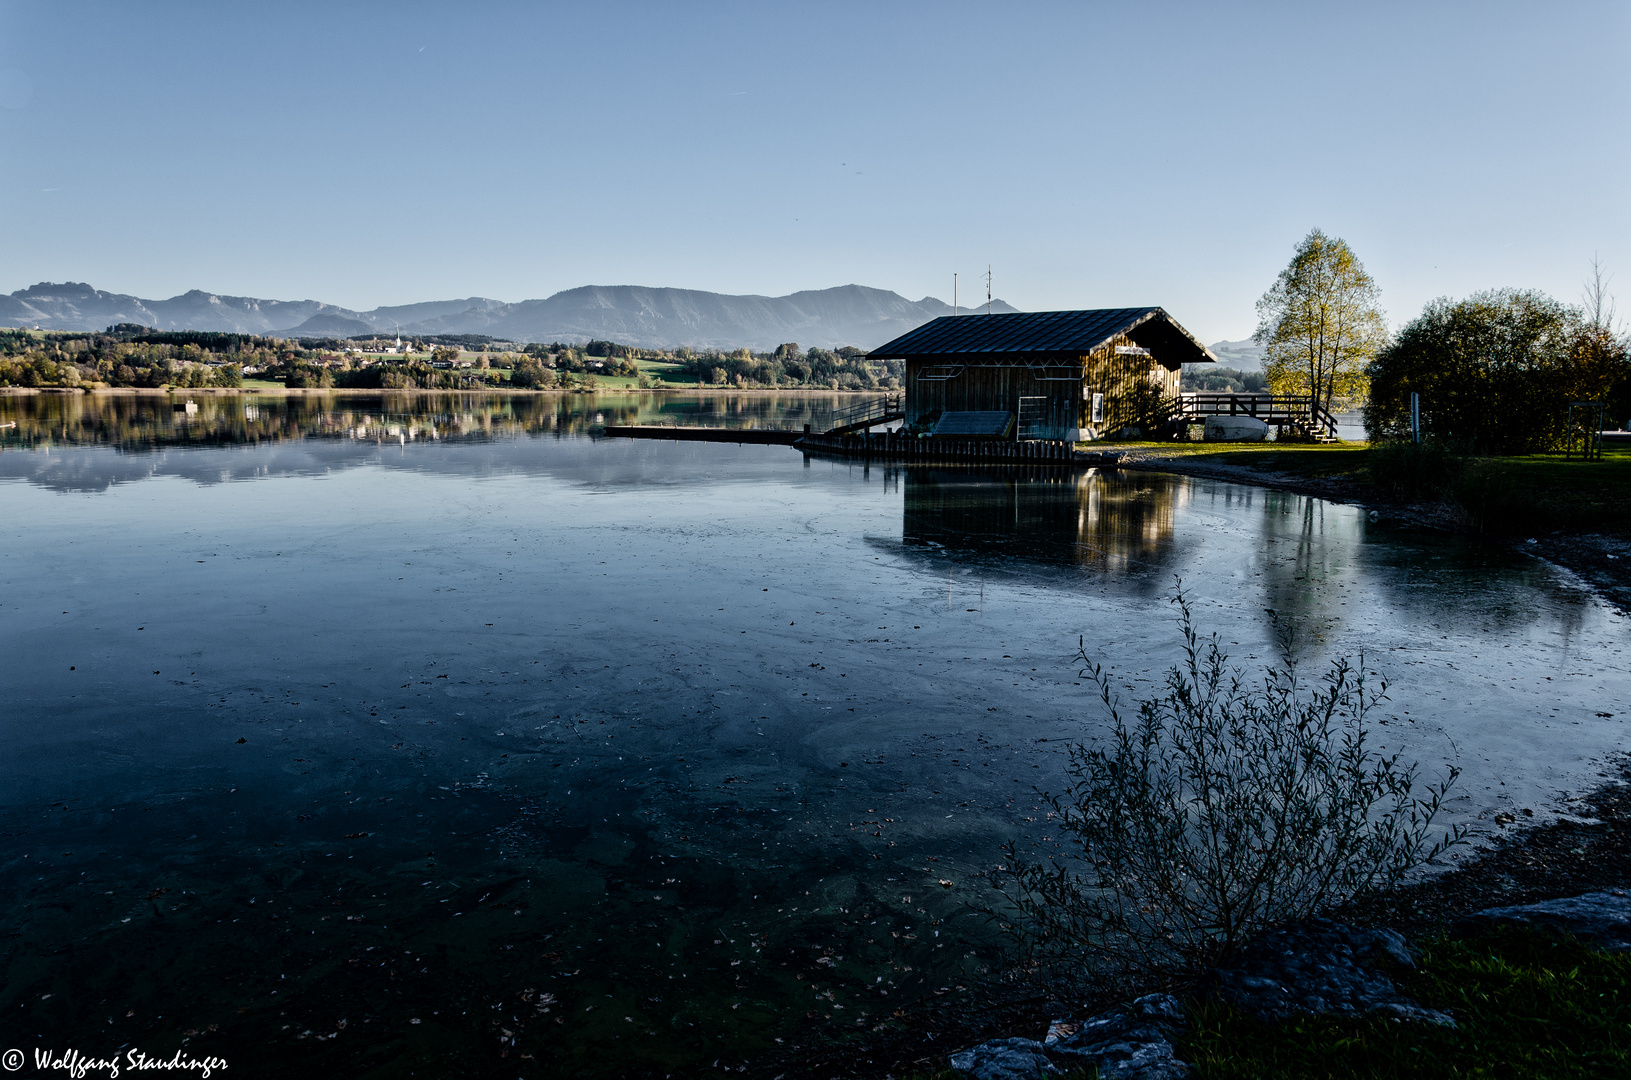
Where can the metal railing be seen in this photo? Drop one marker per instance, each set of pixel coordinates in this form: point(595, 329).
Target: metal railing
point(865, 413)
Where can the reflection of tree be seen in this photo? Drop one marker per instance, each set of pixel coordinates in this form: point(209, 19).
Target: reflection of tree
point(1119, 522)
point(1310, 562)
point(1441, 581)
point(1306, 570)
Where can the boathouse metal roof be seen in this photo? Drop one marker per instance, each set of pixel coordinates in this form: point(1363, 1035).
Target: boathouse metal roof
point(1034, 335)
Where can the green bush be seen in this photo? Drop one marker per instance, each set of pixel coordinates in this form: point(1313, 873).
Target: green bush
point(302, 376)
point(1401, 469)
point(1496, 372)
point(532, 375)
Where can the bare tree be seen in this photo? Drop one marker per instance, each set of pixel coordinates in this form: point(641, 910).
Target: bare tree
point(1596, 301)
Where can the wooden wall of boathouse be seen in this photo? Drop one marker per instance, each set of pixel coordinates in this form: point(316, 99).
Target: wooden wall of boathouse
point(993, 388)
point(1123, 379)
point(1066, 405)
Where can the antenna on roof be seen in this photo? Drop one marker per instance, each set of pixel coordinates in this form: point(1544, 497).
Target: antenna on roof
point(988, 288)
point(954, 294)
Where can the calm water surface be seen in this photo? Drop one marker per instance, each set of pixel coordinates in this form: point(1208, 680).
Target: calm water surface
point(429, 735)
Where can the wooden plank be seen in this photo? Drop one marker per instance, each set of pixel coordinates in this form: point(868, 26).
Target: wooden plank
point(703, 434)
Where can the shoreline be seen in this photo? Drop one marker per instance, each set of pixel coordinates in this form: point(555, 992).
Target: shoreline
point(1602, 562)
point(1585, 848)
point(1586, 852)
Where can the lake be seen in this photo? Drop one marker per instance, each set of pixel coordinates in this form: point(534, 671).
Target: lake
point(431, 734)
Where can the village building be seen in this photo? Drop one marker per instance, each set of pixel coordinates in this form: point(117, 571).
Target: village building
point(1067, 375)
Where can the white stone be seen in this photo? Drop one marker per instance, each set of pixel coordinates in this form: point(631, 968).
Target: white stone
point(1235, 429)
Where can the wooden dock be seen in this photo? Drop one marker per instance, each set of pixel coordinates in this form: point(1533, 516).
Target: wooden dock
point(703, 434)
point(939, 450)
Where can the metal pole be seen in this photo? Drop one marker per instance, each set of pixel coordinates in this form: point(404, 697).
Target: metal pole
point(1415, 418)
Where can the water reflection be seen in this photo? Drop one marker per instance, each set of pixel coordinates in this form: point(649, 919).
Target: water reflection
point(438, 723)
point(182, 419)
point(1120, 523)
point(1307, 569)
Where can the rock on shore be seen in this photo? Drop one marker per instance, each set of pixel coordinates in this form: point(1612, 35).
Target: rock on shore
point(1319, 967)
point(1601, 919)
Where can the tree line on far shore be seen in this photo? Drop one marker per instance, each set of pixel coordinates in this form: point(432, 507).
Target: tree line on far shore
point(121, 358)
point(130, 355)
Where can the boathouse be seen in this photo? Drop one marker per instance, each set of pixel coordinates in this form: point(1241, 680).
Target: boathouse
point(1041, 375)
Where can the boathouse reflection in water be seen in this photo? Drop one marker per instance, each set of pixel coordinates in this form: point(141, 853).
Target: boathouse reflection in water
point(1113, 520)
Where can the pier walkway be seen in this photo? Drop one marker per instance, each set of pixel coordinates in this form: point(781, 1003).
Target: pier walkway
point(890, 446)
point(703, 434)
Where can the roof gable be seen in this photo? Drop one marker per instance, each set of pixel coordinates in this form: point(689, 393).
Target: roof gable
point(1042, 334)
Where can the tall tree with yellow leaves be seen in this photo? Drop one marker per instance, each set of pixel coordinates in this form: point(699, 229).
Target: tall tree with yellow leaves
point(1320, 324)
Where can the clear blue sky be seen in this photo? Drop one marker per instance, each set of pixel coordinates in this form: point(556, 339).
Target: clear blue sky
point(1093, 154)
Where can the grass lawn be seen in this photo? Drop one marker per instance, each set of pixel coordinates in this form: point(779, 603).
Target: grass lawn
point(1543, 492)
point(1526, 1005)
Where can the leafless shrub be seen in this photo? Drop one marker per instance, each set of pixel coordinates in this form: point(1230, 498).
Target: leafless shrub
point(1226, 808)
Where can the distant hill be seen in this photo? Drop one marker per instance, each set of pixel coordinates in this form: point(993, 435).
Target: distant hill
point(330, 324)
point(1245, 355)
point(76, 306)
point(631, 314)
point(848, 315)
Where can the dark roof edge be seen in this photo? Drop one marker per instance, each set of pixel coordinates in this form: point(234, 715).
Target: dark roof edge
point(1176, 325)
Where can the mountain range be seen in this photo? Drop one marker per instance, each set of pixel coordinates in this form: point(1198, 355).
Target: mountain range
point(630, 314)
point(1244, 355)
